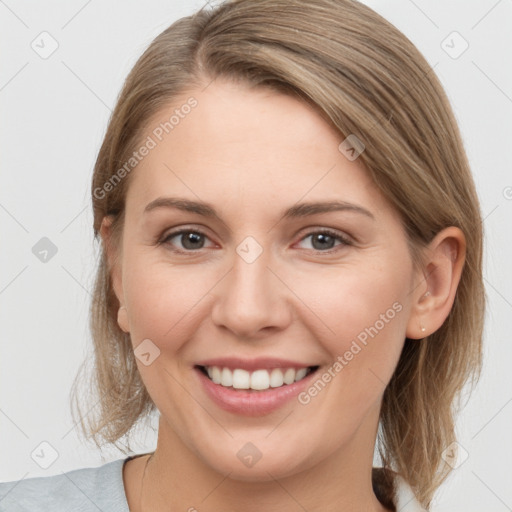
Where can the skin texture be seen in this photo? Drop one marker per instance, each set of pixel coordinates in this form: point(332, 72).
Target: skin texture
point(251, 154)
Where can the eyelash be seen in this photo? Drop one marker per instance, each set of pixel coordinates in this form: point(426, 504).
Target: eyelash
point(344, 240)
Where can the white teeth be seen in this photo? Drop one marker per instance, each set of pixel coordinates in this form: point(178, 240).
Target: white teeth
point(257, 380)
point(276, 378)
point(289, 376)
point(260, 379)
point(216, 375)
point(241, 379)
point(227, 378)
point(300, 374)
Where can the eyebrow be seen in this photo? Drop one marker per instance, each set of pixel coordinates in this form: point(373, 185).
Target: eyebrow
point(295, 211)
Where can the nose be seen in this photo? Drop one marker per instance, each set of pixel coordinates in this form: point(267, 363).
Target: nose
point(252, 300)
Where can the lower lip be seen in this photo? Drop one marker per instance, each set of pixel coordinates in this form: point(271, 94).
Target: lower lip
point(249, 402)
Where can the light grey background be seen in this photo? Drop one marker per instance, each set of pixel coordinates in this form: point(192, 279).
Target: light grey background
point(54, 114)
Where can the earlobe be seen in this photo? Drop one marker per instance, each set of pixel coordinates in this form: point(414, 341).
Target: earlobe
point(114, 269)
point(435, 292)
point(122, 319)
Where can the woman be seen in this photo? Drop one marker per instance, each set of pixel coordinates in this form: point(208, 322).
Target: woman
point(291, 270)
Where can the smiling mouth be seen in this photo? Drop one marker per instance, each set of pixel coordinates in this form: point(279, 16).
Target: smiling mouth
point(258, 380)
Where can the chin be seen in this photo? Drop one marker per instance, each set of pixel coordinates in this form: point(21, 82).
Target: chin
point(261, 472)
point(261, 467)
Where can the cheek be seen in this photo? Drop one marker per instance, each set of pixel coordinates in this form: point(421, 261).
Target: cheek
point(164, 301)
point(353, 302)
point(360, 320)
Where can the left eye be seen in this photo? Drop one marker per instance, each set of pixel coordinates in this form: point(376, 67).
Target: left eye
point(324, 240)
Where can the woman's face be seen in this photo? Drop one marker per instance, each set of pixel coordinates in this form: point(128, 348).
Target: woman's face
point(256, 292)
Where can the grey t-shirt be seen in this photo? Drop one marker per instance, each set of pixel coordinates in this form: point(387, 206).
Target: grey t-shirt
point(101, 489)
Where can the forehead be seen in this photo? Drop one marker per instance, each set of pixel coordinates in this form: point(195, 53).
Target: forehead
point(253, 145)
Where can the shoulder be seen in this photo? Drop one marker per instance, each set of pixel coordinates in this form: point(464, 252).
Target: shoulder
point(80, 490)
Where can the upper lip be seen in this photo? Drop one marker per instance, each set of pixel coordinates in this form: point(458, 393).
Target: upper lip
point(259, 363)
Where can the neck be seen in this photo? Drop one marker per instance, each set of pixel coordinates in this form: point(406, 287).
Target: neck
point(176, 478)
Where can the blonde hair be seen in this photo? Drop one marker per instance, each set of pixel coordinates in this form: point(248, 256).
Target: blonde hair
point(364, 77)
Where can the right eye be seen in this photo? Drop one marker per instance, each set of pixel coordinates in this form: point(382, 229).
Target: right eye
point(191, 240)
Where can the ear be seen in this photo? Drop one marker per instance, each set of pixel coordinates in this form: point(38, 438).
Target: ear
point(114, 264)
point(435, 288)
